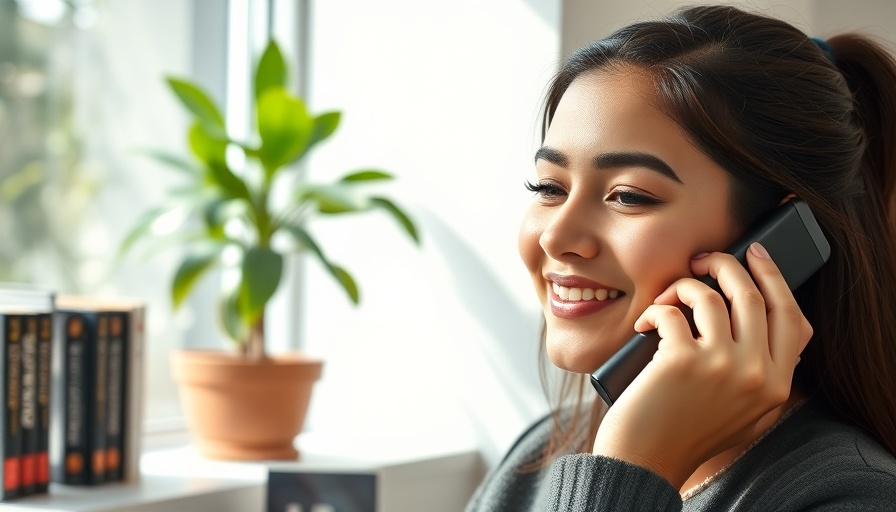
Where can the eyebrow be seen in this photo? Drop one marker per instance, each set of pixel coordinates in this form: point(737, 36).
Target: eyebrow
point(613, 160)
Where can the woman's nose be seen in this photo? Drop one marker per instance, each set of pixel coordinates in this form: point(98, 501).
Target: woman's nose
point(570, 233)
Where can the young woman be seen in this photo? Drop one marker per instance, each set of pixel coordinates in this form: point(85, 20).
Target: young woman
point(661, 144)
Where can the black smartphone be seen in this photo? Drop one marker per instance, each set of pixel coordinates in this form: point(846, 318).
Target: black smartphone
point(794, 241)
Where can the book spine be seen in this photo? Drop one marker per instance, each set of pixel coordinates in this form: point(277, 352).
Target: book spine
point(69, 460)
point(115, 396)
point(29, 404)
point(12, 431)
point(44, 370)
point(133, 405)
point(99, 388)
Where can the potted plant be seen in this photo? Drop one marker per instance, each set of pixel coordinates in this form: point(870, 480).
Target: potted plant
point(248, 404)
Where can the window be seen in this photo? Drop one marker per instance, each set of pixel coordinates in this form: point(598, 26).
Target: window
point(82, 93)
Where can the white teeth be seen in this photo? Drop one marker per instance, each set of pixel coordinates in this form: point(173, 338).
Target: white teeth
point(583, 294)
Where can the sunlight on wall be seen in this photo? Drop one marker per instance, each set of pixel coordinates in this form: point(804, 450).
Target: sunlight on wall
point(444, 344)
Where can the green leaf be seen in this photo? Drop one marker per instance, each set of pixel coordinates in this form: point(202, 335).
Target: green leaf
point(341, 275)
point(348, 283)
point(174, 161)
point(193, 266)
point(284, 126)
point(142, 228)
point(366, 175)
point(212, 152)
point(271, 71)
point(304, 240)
point(262, 269)
point(324, 126)
point(214, 216)
point(399, 215)
point(231, 317)
point(197, 101)
point(231, 184)
point(207, 148)
point(333, 199)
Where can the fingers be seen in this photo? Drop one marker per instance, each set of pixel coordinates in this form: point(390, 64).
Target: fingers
point(748, 312)
point(708, 309)
point(669, 322)
point(788, 329)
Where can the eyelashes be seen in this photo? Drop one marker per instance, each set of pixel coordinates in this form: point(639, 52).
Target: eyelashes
point(627, 198)
point(619, 197)
point(544, 189)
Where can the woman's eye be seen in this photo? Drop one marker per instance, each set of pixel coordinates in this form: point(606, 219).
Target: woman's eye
point(545, 189)
point(629, 199)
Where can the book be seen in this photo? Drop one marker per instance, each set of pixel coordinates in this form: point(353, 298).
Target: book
point(29, 413)
point(69, 440)
point(11, 365)
point(132, 424)
point(115, 396)
point(35, 305)
point(44, 370)
point(98, 390)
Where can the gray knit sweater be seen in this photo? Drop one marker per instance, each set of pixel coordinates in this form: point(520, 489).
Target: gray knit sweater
point(811, 461)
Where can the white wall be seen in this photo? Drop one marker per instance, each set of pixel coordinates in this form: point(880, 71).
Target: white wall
point(445, 96)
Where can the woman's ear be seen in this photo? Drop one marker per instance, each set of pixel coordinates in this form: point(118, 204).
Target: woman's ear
point(788, 197)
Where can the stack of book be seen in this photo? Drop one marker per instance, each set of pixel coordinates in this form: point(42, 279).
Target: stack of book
point(25, 362)
point(72, 386)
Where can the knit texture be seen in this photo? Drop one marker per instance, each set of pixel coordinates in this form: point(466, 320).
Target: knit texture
point(812, 461)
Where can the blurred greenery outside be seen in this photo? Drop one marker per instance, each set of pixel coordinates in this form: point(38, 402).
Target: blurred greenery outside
point(45, 185)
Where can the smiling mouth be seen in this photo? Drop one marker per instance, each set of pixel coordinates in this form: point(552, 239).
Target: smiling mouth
point(585, 294)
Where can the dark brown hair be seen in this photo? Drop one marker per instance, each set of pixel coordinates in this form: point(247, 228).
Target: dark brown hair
point(782, 116)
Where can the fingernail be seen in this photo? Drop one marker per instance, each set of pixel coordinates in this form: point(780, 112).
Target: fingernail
point(759, 251)
point(701, 255)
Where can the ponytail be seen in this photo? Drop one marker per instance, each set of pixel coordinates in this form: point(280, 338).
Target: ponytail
point(851, 361)
point(870, 72)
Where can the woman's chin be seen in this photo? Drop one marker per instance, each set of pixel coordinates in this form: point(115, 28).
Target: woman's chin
point(577, 359)
point(572, 354)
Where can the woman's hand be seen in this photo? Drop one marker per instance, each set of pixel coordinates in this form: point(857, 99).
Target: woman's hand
point(700, 397)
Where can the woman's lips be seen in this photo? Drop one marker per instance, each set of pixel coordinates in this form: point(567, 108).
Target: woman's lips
point(573, 303)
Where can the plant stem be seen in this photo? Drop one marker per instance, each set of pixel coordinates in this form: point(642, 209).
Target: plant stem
point(254, 348)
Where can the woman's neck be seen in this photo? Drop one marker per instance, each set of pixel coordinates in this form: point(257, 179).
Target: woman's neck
point(709, 469)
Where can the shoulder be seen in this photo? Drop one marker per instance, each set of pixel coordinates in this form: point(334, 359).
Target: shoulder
point(825, 441)
point(834, 461)
point(813, 460)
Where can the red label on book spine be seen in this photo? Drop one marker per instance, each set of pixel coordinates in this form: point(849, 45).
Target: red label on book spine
point(43, 467)
point(11, 472)
point(29, 469)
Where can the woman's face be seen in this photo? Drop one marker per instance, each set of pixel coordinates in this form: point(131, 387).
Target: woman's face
point(624, 201)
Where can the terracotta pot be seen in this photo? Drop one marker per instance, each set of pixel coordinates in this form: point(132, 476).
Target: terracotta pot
point(244, 410)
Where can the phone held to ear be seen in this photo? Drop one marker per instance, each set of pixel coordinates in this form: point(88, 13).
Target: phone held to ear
point(794, 241)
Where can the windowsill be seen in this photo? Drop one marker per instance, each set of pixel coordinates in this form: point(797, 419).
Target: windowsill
point(154, 493)
point(178, 478)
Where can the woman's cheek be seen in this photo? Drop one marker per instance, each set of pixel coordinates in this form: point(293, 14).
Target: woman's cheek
point(529, 241)
point(651, 258)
